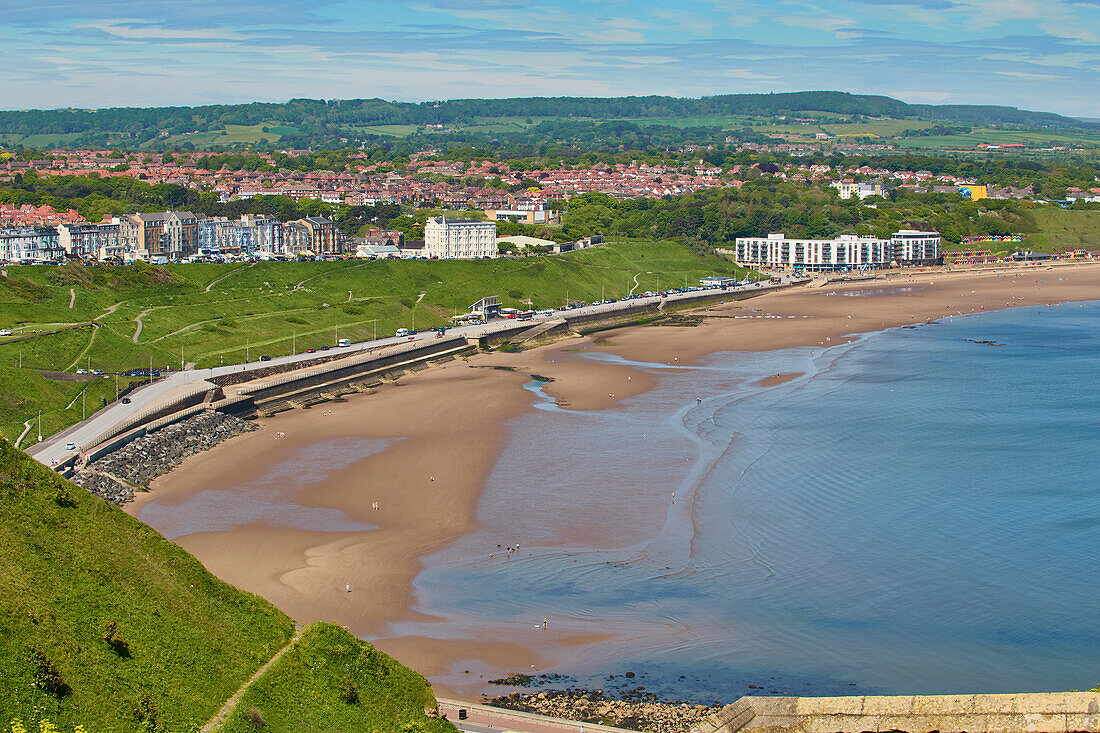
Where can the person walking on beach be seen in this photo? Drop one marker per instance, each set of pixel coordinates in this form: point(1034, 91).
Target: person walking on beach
point(348, 587)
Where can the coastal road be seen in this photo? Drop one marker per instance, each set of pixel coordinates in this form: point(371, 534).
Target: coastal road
point(53, 449)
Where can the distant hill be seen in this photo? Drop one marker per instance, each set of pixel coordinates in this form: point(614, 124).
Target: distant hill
point(324, 117)
point(106, 624)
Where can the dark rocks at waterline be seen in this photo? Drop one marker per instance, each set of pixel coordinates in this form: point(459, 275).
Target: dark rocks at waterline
point(641, 712)
point(132, 467)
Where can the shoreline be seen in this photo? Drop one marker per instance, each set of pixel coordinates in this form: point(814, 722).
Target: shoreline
point(450, 423)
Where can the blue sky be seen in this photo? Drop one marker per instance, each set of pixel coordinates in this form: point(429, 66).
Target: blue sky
point(1034, 54)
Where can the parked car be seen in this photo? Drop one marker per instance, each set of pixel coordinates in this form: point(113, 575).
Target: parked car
point(81, 371)
point(5, 332)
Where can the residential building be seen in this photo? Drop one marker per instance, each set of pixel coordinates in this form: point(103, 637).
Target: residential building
point(914, 247)
point(91, 241)
point(323, 236)
point(847, 251)
point(30, 244)
point(849, 189)
point(267, 232)
point(167, 234)
point(450, 239)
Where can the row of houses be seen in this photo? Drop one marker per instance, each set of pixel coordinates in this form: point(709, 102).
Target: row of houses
point(173, 236)
point(846, 252)
point(169, 236)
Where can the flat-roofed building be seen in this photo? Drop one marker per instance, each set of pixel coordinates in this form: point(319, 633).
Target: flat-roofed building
point(459, 239)
point(846, 252)
point(914, 247)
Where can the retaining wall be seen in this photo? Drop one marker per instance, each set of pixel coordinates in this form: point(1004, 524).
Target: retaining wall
point(1053, 712)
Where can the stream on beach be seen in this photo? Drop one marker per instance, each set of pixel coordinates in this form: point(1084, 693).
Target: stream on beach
point(917, 512)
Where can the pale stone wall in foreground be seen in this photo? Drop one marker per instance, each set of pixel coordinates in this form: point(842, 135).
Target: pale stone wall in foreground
point(1047, 712)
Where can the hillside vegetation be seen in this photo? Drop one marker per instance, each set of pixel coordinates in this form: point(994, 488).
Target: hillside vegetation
point(105, 624)
point(274, 308)
point(313, 121)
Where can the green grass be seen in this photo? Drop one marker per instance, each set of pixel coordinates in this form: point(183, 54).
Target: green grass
point(331, 681)
point(268, 308)
point(1063, 229)
point(66, 572)
point(73, 567)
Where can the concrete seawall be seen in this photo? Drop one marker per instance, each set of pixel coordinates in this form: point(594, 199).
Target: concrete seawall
point(1044, 712)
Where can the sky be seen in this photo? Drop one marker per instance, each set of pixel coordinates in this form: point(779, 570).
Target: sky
point(1034, 54)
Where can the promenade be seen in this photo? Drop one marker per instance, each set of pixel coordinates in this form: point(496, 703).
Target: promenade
point(179, 385)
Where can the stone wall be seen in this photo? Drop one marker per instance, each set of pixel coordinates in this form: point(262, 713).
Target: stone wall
point(117, 475)
point(1054, 712)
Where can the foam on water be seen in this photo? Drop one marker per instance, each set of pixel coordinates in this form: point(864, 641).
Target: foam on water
point(916, 513)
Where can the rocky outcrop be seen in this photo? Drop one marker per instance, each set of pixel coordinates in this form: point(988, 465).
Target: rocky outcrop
point(131, 468)
point(641, 712)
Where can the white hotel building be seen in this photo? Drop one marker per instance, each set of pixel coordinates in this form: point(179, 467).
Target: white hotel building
point(815, 255)
point(913, 247)
point(846, 252)
point(459, 239)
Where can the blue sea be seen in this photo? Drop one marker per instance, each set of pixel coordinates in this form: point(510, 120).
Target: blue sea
point(918, 512)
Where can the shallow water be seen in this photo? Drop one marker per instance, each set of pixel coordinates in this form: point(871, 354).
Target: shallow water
point(269, 499)
point(917, 513)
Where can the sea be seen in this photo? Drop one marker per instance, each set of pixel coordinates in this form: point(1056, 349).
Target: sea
point(917, 512)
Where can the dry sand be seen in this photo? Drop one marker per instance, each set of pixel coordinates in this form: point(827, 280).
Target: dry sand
point(453, 419)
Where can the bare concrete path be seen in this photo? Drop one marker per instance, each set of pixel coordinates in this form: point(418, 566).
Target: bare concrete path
point(72, 297)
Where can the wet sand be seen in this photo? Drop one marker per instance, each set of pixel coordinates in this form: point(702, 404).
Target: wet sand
point(451, 422)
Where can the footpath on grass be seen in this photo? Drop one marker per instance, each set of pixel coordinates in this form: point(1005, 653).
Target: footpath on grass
point(231, 703)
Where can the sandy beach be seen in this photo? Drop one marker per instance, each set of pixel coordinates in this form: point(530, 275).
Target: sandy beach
point(447, 425)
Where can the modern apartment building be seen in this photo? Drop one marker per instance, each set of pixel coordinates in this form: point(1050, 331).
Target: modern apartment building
point(459, 239)
point(847, 251)
point(914, 247)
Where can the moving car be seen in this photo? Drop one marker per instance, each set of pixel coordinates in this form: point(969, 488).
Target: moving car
point(70, 446)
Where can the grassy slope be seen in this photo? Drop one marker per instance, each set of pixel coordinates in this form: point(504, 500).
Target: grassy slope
point(306, 690)
point(269, 307)
point(1062, 229)
point(66, 572)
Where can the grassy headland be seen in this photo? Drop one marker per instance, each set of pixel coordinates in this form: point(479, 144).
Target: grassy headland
point(273, 308)
point(105, 624)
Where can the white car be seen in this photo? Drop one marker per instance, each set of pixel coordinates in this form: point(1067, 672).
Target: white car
point(5, 332)
point(70, 446)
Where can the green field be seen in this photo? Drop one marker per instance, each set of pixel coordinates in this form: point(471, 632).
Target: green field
point(273, 308)
point(994, 136)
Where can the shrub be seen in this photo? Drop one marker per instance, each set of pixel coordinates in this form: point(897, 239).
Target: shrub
point(295, 319)
point(255, 717)
point(349, 693)
point(114, 639)
point(47, 676)
point(64, 497)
